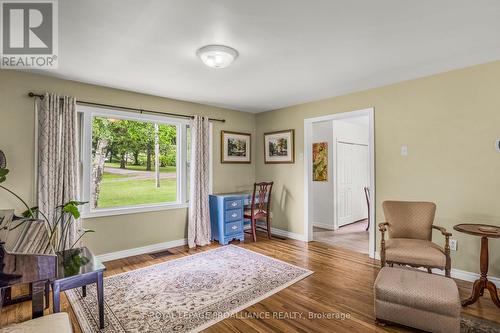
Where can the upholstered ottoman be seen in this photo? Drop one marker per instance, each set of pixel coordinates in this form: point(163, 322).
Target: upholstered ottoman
point(417, 299)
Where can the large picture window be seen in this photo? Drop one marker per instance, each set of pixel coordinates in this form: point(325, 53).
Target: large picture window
point(132, 162)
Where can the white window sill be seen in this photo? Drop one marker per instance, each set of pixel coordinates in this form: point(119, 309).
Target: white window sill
point(132, 210)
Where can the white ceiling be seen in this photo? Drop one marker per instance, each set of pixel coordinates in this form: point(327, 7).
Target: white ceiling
point(291, 51)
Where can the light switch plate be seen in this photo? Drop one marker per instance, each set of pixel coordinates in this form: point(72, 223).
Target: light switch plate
point(497, 145)
point(404, 150)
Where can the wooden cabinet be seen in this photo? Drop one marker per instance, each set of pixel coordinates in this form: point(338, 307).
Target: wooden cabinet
point(226, 217)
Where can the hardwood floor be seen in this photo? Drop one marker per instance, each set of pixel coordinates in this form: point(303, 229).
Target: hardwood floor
point(352, 237)
point(341, 284)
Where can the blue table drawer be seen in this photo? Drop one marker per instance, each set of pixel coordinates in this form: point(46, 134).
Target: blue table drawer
point(233, 228)
point(233, 215)
point(233, 204)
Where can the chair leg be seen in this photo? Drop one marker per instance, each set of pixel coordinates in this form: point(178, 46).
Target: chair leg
point(429, 270)
point(254, 230)
point(47, 296)
point(268, 227)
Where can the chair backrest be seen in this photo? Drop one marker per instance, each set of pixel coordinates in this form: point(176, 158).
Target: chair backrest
point(367, 197)
point(409, 219)
point(261, 198)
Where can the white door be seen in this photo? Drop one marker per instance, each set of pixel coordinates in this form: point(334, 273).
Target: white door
point(344, 183)
point(352, 177)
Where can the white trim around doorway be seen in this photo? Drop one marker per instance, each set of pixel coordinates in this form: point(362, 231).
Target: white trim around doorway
point(308, 219)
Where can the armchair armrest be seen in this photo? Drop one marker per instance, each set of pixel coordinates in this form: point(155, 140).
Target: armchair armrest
point(443, 230)
point(447, 236)
point(383, 226)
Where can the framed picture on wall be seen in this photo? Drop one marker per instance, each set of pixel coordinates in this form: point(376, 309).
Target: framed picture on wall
point(279, 147)
point(320, 161)
point(235, 147)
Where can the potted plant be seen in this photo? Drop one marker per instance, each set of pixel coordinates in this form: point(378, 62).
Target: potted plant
point(60, 226)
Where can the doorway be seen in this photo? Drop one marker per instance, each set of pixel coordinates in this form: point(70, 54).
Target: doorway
point(335, 205)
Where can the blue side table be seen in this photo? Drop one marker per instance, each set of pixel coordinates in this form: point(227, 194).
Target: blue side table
point(226, 217)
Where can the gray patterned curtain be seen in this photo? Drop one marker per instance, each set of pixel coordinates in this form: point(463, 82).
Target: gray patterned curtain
point(199, 214)
point(58, 157)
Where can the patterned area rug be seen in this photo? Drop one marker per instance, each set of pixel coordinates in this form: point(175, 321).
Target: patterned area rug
point(470, 324)
point(186, 294)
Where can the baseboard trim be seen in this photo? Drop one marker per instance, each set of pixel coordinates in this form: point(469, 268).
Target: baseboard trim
point(141, 250)
point(178, 242)
point(283, 233)
point(459, 274)
point(467, 276)
point(287, 234)
point(323, 225)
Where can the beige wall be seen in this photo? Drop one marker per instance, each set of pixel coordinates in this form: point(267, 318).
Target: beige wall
point(117, 232)
point(449, 122)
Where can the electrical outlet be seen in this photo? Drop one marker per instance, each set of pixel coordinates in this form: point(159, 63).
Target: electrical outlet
point(453, 244)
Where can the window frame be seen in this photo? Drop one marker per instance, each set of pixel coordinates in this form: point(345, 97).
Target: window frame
point(86, 114)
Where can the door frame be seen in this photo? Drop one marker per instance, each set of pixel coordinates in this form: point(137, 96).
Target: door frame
point(308, 219)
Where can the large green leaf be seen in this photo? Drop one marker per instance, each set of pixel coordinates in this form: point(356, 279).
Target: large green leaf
point(32, 212)
point(71, 209)
point(3, 174)
point(78, 203)
point(74, 203)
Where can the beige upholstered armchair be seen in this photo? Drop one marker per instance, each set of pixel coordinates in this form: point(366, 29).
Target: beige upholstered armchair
point(409, 225)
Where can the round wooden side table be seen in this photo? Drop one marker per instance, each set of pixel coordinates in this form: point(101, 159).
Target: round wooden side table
point(484, 231)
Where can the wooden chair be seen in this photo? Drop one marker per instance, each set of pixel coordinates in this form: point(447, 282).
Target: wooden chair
point(260, 208)
point(409, 225)
point(367, 196)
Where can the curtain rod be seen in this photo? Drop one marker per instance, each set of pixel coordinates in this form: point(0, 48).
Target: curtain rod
point(109, 106)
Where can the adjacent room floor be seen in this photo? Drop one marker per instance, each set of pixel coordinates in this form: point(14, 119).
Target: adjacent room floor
point(352, 237)
point(342, 283)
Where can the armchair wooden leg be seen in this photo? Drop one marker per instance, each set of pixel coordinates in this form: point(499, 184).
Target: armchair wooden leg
point(254, 230)
point(448, 257)
point(268, 227)
point(382, 250)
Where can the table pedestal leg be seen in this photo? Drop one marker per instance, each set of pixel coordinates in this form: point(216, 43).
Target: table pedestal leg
point(493, 292)
point(56, 290)
point(483, 283)
point(38, 293)
point(100, 298)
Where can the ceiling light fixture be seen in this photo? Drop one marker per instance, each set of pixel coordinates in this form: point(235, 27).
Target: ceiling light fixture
point(217, 56)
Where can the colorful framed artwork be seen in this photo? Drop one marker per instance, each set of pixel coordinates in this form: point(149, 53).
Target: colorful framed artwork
point(320, 161)
point(235, 147)
point(279, 147)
